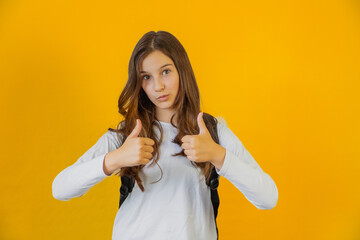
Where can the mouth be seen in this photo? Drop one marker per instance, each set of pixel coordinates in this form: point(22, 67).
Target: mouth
point(163, 96)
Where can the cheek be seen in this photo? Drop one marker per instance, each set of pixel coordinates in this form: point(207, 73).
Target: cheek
point(148, 92)
point(145, 88)
point(176, 85)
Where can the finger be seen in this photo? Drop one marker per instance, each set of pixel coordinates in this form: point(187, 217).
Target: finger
point(189, 152)
point(186, 138)
point(147, 141)
point(201, 123)
point(147, 155)
point(191, 158)
point(186, 146)
point(136, 131)
point(148, 148)
point(144, 161)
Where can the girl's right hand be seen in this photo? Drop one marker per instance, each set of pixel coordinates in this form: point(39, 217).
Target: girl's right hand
point(133, 152)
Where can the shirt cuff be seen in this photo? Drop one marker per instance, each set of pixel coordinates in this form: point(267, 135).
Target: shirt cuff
point(99, 166)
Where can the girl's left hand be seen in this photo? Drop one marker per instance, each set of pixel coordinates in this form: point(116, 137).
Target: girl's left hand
point(201, 147)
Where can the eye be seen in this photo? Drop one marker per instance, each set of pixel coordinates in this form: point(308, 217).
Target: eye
point(148, 75)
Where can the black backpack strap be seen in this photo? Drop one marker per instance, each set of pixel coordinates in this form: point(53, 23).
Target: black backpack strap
point(127, 184)
point(214, 177)
point(213, 184)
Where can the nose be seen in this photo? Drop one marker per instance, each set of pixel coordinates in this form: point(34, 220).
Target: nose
point(159, 85)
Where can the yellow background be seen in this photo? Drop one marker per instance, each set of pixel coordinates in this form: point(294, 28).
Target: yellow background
point(284, 74)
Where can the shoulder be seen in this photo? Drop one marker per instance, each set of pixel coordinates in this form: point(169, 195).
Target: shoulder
point(221, 123)
point(221, 120)
point(210, 120)
point(111, 137)
point(223, 131)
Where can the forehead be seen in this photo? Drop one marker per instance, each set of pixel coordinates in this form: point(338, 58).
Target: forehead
point(154, 61)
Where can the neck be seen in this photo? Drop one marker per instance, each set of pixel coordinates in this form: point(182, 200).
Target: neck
point(165, 116)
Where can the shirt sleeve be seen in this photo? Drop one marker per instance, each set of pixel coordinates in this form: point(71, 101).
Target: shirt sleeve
point(77, 179)
point(241, 169)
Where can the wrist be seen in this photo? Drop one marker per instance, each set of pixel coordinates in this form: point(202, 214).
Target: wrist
point(109, 166)
point(219, 156)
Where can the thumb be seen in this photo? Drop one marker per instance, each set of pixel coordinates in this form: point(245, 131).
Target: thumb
point(201, 124)
point(136, 131)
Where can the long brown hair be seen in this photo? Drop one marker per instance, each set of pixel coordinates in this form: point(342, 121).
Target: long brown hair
point(133, 102)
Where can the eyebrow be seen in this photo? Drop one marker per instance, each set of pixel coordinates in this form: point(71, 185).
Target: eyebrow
point(159, 68)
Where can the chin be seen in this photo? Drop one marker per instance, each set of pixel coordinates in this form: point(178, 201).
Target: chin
point(164, 105)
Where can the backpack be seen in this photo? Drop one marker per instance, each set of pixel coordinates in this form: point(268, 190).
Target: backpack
point(127, 183)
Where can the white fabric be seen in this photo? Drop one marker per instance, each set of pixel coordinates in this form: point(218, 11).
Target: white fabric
point(179, 205)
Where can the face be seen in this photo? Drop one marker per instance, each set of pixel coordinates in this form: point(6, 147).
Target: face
point(160, 77)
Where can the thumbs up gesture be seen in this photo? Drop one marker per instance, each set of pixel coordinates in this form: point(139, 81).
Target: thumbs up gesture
point(137, 150)
point(134, 151)
point(201, 147)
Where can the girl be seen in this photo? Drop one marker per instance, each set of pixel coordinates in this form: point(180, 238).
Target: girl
point(164, 126)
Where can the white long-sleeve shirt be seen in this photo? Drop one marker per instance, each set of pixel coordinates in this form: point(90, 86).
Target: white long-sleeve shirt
point(179, 205)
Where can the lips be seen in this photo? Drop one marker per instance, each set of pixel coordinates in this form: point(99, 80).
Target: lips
point(163, 96)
